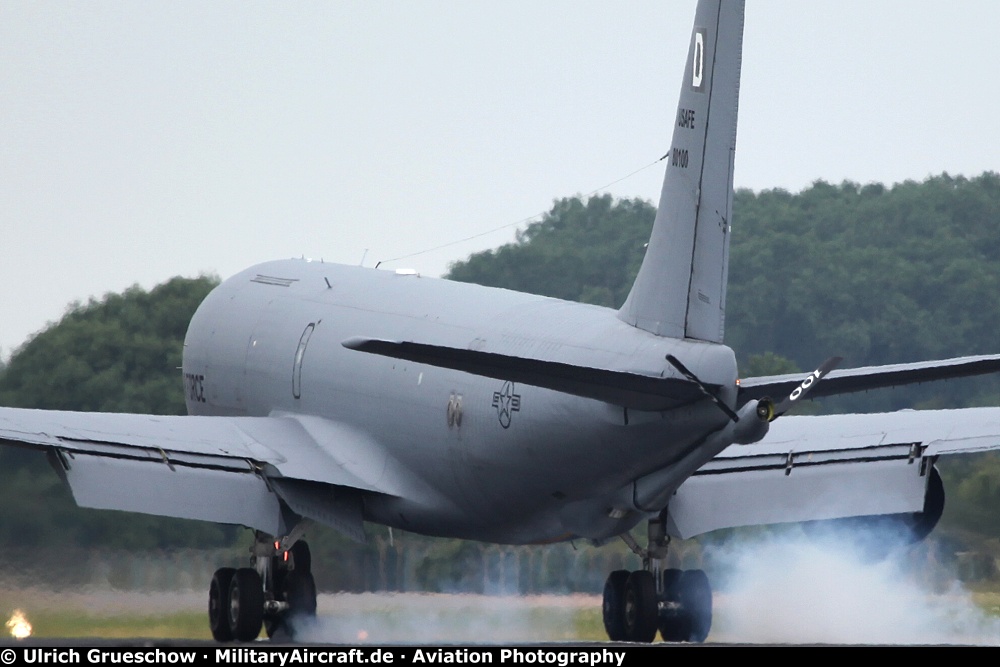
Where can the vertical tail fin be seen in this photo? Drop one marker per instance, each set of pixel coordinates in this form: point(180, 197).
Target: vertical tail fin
point(680, 290)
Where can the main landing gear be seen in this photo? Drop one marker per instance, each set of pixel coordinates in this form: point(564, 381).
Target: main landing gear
point(678, 603)
point(277, 590)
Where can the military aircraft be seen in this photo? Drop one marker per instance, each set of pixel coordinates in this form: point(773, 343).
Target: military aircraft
point(337, 395)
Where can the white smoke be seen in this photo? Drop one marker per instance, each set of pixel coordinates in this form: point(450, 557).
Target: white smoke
point(371, 618)
point(774, 589)
point(794, 589)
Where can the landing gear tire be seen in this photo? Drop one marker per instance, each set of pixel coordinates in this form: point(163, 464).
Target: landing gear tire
point(302, 557)
point(295, 586)
point(299, 591)
point(640, 607)
point(678, 603)
point(613, 607)
point(673, 622)
point(218, 604)
point(695, 595)
point(246, 605)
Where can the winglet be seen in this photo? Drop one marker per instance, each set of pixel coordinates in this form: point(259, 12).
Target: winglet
point(680, 291)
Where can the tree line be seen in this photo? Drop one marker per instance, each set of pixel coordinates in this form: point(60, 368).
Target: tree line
point(872, 273)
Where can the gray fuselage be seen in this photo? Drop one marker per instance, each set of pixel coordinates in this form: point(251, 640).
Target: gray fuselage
point(506, 462)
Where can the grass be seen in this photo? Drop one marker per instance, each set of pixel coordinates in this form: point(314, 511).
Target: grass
point(589, 625)
point(987, 598)
point(381, 618)
point(177, 625)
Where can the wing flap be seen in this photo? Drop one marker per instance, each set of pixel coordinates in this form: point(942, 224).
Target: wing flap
point(828, 467)
point(337, 507)
point(237, 470)
point(203, 494)
point(766, 495)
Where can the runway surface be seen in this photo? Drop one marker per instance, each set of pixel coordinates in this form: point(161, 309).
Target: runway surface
point(437, 619)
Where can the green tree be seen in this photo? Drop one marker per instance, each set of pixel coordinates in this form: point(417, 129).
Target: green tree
point(119, 354)
point(874, 274)
point(768, 363)
point(580, 251)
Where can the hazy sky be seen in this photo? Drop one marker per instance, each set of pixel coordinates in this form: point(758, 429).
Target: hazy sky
point(139, 141)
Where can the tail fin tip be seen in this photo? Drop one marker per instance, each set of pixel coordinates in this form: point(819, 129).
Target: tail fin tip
point(680, 290)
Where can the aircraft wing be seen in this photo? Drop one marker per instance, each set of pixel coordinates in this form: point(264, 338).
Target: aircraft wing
point(869, 377)
point(630, 390)
point(828, 467)
point(220, 469)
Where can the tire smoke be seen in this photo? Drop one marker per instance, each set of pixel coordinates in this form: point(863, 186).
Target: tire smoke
point(803, 589)
point(430, 618)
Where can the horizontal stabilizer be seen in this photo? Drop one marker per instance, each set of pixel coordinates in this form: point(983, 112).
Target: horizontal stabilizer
point(630, 390)
point(870, 377)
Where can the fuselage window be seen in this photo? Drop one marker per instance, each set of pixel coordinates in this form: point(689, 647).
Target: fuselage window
point(300, 353)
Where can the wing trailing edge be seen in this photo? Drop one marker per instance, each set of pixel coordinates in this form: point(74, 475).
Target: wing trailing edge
point(829, 467)
point(623, 388)
point(236, 470)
